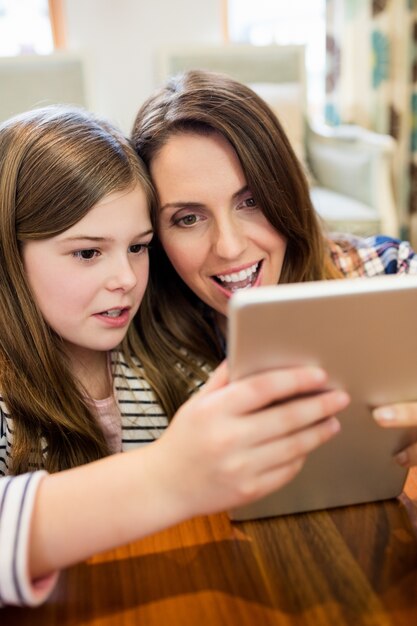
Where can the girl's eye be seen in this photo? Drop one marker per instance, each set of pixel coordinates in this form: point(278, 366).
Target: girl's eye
point(139, 248)
point(86, 255)
point(187, 220)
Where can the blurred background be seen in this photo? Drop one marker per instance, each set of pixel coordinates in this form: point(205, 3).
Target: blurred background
point(352, 117)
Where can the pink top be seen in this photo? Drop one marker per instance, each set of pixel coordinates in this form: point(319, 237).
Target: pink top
point(109, 418)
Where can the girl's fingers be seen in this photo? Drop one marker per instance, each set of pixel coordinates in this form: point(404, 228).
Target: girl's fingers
point(396, 415)
point(294, 415)
point(260, 390)
point(284, 450)
point(281, 458)
point(273, 465)
point(279, 476)
point(269, 481)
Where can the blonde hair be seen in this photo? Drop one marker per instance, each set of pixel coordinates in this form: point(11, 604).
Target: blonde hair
point(174, 325)
point(56, 163)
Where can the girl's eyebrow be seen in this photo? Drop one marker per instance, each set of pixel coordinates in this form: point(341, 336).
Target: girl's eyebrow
point(101, 239)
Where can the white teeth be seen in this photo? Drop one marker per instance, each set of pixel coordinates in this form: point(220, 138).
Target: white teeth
point(240, 288)
point(113, 313)
point(236, 277)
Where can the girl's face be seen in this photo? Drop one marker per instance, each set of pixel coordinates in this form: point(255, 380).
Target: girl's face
point(89, 281)
point(214, 233)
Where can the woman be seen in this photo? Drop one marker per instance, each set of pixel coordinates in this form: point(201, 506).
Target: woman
point(234, 212)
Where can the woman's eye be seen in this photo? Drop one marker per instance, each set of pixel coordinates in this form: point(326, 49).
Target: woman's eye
point(250, 203)
point(86, 255)
point(187, 220)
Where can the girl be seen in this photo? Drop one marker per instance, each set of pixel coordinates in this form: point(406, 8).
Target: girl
point(74, 237)
point(234, 212)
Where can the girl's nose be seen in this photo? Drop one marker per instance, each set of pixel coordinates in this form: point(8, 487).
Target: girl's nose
point(122, 276)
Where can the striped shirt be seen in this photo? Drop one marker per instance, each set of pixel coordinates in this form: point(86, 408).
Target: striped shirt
point(143, 420)
point(17, 496)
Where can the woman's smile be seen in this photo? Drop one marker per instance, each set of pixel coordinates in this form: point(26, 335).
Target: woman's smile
point(210, 225)
point(239, 278)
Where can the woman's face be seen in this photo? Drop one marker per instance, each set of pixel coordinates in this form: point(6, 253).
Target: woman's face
point(214, 233)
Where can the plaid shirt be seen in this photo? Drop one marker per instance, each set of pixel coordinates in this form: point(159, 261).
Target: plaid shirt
point(372, 256)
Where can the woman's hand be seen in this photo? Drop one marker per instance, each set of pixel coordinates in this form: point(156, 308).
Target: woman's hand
point(396, 416)
point(234, 442)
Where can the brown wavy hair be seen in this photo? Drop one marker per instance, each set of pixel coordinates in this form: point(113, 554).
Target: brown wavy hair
point(173, 323)
point(55, 164)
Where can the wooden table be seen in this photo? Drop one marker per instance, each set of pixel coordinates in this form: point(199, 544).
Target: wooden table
point(354, 565)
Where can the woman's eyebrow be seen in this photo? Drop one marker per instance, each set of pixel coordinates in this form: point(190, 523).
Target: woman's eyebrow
point(199, 205)
point(239, 193)
point(181, 205)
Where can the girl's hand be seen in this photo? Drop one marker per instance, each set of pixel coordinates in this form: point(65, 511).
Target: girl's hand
point(234, 442)
point(229, 444)
point(395, 416)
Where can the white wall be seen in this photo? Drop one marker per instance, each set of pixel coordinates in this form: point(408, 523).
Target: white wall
point(119, 40)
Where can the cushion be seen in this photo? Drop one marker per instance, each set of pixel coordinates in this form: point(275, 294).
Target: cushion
point(345, 214)
point(287, 102)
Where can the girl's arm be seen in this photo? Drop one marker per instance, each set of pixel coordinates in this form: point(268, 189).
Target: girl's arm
point(220, 451)
point(17, 497)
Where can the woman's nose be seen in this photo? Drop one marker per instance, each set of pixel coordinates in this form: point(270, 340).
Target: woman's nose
point(230, 239)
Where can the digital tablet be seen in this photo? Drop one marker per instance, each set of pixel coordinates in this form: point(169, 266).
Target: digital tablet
point(363, 332)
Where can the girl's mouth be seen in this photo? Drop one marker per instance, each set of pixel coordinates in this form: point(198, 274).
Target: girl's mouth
point(244, 279)
point(114, 318)
point(113, 313)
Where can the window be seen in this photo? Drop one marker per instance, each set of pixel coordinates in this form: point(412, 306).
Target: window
point(284, 22)
point(25, 27)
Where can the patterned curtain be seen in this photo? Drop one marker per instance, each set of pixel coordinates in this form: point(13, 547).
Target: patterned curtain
point(371, 80)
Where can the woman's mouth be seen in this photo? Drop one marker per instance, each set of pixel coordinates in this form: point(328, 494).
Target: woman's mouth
point(243, 279)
